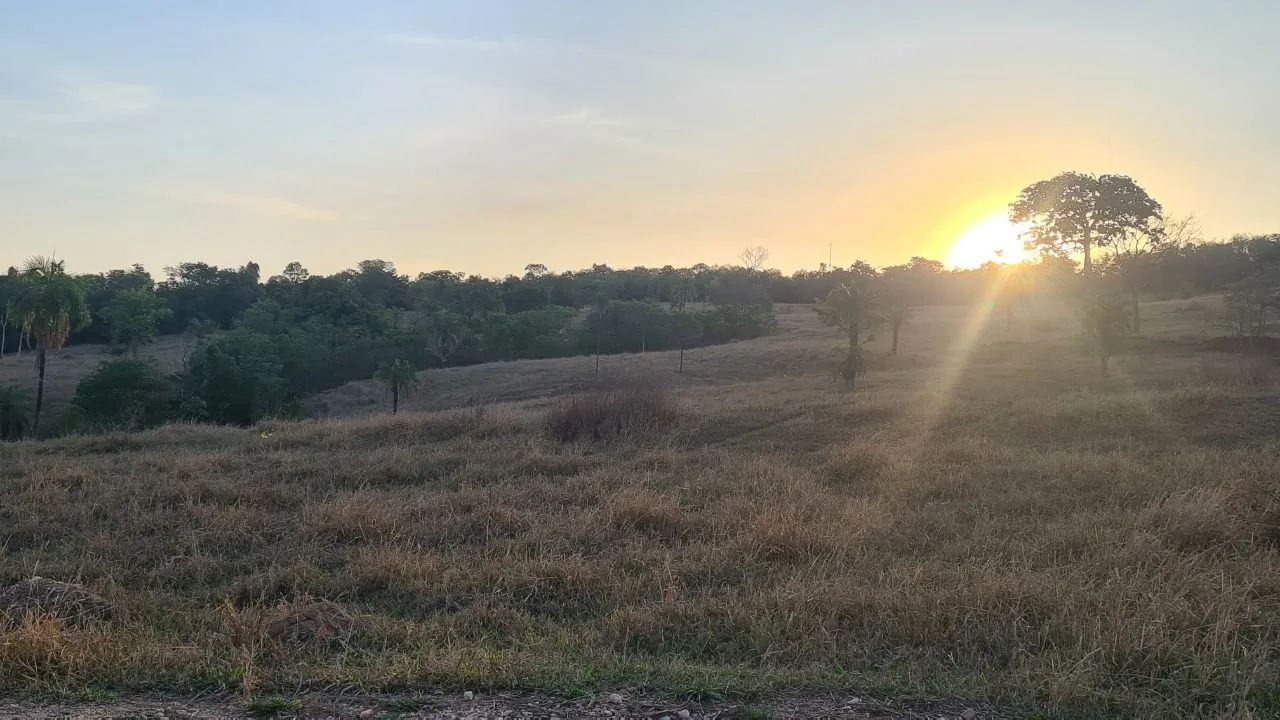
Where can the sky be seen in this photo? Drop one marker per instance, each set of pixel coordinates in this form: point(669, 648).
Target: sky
point(482, 136)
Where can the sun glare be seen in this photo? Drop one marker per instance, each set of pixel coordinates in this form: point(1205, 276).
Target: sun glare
point(991, 239)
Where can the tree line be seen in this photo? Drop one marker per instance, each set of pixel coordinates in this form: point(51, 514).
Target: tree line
point(253, 348)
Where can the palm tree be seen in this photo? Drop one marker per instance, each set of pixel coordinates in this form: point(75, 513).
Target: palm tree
point(48, 304)
point(851, 308)
point(397, 375)
point(15, 412)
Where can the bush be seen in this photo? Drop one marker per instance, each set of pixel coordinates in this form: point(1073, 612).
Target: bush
point(125, 395)
point(723, 323)
point(15, 413)
point(607, 413)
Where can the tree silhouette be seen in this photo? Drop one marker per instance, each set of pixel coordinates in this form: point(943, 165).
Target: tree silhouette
point(397, 375)
point(1077, 212)
point(49, 303)
point(895, 303)
point(1106, 327)
point(850, 308)
point(754, 257)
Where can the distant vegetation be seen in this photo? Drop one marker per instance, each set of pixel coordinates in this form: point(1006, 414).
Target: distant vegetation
point(257, 348)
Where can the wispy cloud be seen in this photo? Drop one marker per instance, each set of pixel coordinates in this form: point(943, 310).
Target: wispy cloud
point(261, 205)
point(80, 96)
point(462, 43)
point(43, 100)
point(588, 117)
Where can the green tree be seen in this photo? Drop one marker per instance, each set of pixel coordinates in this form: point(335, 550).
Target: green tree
point(851, 308)
point(15, 412)
point(397, 376)
point(237, 378)
point(125, 395)
point(134, 318)
point(48, 304)
point(1076, 211)
point(1106, 327)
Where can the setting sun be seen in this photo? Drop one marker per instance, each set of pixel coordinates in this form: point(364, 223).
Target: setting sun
point(991, 239)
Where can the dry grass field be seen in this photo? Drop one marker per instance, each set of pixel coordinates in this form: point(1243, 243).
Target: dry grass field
point(985, 519)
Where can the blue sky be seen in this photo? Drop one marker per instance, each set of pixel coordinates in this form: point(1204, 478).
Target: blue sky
point(482, 136)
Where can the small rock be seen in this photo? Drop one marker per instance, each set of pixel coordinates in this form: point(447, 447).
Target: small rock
point(468, 695)
point(969, 714)
point(366, 714)
point(665, 717)
point(615, 698)
point(684, 715)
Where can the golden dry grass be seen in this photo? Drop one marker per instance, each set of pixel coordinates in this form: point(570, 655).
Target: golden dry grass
point(1010, 528)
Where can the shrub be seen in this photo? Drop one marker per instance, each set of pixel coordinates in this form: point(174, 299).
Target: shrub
point(15, 413)
point(723, 323)
point(125, 394)
point(608, 413)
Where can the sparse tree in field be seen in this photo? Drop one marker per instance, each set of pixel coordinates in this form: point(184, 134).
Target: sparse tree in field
point(1136, 256)
point(1077, 211)
point(687, 330)
point(533, 271)
point(1251, 298)
point(1106, 327)
point(754, 257)
point(48, 305)
point(134, 318)
point(15, 412)
point(851, 308)
point(895, 305)
point(397, 376)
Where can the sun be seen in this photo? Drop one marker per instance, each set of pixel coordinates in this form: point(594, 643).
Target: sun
point(992, 239)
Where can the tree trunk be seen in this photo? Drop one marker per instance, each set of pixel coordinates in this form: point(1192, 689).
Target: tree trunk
point(680, 369)
point(395, 399)
point(1087, 244)
point(40, 362)
point(1137, 319)
point(4, 334)
point(893, 350)
point(597, 353)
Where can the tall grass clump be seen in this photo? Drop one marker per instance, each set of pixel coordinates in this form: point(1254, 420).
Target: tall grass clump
point(635, 407)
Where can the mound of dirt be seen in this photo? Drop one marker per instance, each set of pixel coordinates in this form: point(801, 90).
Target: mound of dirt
point(310, 621)
point(67, 601)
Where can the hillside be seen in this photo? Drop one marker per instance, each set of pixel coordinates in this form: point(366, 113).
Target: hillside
point(985, 520)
